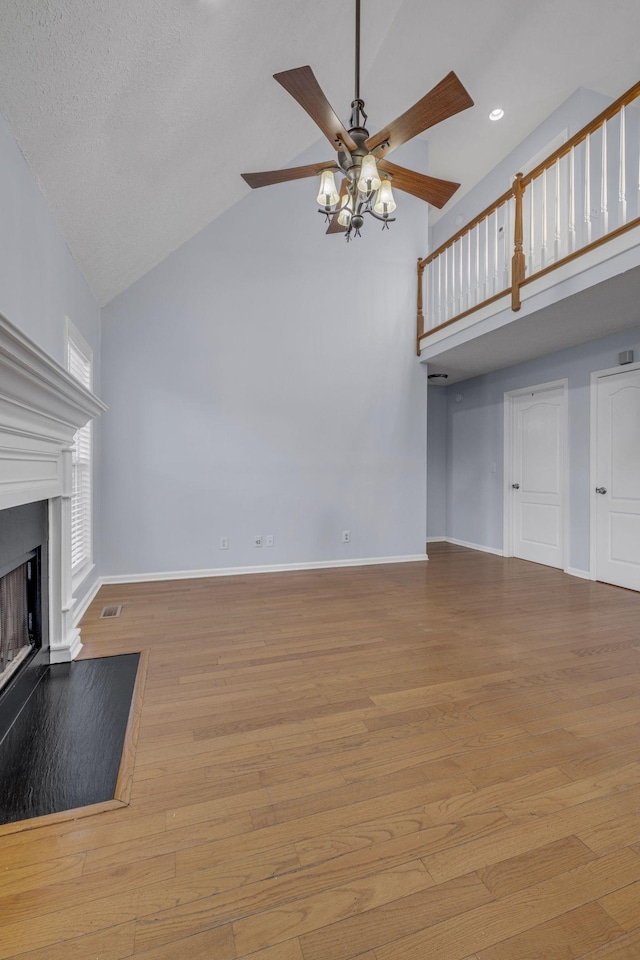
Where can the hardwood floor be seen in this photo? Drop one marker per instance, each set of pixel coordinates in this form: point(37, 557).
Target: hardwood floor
point(408, 762)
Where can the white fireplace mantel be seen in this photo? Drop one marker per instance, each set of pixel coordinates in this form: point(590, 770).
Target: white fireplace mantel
point(41, 408)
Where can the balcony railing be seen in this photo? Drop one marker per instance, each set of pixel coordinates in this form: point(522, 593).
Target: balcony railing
point(584, 194)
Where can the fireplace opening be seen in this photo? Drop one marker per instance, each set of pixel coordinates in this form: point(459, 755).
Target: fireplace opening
point(20, 614)
point(24, 606)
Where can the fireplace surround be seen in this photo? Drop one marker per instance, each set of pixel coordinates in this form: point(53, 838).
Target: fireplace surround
point(41, 408)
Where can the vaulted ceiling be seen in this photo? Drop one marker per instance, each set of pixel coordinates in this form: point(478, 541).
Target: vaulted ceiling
point(137, 118)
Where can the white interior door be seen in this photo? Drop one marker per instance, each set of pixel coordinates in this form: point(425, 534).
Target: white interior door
point(617, 462)
point(537, 481)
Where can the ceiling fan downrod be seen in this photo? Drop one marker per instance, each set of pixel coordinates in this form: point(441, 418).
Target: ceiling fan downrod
point(358, 116)
point(362, 159)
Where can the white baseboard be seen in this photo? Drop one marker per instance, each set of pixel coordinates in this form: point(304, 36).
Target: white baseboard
point(575, 572)
point(465, 543)
point(266, 568)
point(571, 571)
point(80, 607)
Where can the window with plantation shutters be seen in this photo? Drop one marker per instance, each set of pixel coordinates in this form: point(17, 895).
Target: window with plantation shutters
point(79, 364)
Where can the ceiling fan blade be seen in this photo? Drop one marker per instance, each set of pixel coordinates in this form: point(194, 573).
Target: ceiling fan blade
point(334, 226)
point(430, 189)
point(446, 99)
point(303, 87)
point(288, 173)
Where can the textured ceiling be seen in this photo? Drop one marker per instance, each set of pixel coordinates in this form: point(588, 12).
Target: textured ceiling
point(138, 118)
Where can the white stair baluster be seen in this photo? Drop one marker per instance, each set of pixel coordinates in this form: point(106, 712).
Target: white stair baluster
point(476, 231)
point(587, 188)
point(469, 270)
point(604, 189)
point(423, 279)
point(435, 307)
point(495, 252)
point(434, 296)
point(447, 313)
point(532, 232)
point(622, 169)
point(454, 279)
point(543, 223)
point(638, 193)
point(460, 280)
point(557, 236)
point(506, 234)
point(486, 258)
point(572, 201)
point(454, 285)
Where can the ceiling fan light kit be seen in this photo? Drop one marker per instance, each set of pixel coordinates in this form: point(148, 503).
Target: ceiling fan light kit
point(328, 194)
point(366, 187)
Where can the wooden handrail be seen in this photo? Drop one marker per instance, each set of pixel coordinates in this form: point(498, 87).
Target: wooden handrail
point(516, 192)
point(469, 226)
point(466, 313)
point(632, 94)
point(618, 232)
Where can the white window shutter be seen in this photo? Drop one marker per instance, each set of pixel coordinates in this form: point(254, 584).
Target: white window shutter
point(79, 366)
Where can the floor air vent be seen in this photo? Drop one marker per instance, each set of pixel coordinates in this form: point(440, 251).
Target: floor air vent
point(108, 612)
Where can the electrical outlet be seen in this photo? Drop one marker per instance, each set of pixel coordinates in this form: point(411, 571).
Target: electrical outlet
point(269, 540)
point(346, 536)
point(257, 541)
point(224, 543)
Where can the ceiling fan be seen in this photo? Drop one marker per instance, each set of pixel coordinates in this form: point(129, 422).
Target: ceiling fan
point(362, 159)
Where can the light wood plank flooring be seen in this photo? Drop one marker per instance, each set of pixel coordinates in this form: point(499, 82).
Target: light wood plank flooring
point(409, 762)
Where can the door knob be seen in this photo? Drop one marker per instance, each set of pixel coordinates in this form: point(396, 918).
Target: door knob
point(601, 489)
point(516, 486)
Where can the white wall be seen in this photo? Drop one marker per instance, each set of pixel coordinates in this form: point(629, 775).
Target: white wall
point(263, 380)
point(40, 282)
point(475, 441)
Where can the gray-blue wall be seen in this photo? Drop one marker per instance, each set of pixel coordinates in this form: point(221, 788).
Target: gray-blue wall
point(436, 462)
point(263, 380)
point(40, 282)
point(475, 441)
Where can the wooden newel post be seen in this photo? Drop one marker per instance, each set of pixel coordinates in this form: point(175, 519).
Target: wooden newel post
point(420, 316)
point(517, 263)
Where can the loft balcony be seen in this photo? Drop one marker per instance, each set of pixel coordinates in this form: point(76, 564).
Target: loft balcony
point(553, 262)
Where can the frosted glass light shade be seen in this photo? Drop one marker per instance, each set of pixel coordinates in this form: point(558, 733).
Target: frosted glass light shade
point(385, 203)
point(369, 177)
point(328, 195)
point(344, 217)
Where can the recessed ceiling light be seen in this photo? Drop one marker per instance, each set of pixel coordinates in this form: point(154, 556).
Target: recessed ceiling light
point(496, 114)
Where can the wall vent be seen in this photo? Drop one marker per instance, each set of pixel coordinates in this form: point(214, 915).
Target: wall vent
point(107, 613)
